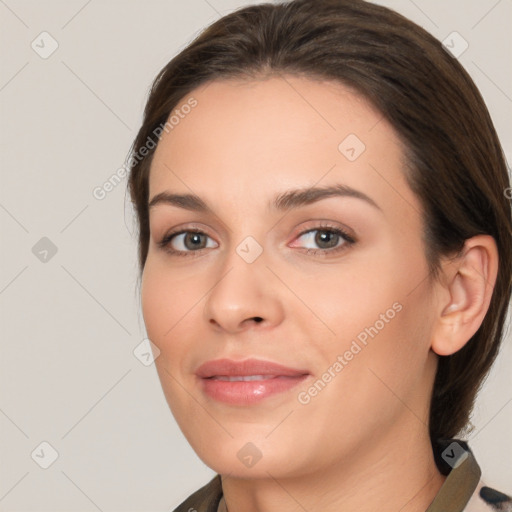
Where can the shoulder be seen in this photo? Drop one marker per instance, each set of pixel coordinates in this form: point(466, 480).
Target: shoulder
point(488, 499)
point(205, 499)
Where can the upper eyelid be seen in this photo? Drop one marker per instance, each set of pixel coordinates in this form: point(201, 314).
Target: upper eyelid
point(343, 232)
point(303, 231)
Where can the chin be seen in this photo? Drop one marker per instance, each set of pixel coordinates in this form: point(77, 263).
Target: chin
point(242, 458)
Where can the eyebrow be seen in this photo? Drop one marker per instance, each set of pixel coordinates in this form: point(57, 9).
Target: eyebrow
point(291, 199)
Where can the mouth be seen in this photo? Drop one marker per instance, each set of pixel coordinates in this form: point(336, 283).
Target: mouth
point(247, 382)
point(243, 378)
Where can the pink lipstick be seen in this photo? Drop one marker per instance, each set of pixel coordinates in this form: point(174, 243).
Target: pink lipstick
point(247, 382)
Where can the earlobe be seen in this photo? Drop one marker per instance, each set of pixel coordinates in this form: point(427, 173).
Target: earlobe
point(469, 282)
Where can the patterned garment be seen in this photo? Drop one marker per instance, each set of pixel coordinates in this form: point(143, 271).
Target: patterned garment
point(462, 491)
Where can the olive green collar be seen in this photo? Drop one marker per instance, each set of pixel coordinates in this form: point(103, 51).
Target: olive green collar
point(461, 482)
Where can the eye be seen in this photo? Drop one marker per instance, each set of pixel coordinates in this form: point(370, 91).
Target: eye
point(328, 239)
point(182, 243)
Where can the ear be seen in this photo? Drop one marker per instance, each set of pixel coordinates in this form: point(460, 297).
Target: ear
point(467, 284)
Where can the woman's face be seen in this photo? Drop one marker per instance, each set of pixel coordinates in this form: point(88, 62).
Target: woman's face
point(332, 286)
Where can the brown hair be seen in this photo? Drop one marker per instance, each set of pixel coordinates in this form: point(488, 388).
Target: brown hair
point(455, 161)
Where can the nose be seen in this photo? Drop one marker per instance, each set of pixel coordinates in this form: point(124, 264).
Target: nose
point(244, 296)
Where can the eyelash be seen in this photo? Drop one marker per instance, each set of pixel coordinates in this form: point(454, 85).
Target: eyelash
point(349, 241)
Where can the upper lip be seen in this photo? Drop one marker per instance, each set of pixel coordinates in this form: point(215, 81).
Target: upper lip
point(229, 367)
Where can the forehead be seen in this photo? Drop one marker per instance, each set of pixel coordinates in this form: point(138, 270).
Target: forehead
point(263, 136)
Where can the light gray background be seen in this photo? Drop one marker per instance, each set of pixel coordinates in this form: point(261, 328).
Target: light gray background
point(68, 375)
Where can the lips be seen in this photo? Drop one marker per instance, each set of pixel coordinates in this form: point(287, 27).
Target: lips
point(246, 382)
point(248, 367)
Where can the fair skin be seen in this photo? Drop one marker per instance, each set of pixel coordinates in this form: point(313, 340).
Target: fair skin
point(362, 442)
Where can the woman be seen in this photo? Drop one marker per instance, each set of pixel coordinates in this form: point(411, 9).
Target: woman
point(325, 247)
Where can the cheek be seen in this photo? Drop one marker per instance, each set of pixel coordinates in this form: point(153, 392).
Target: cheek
point(164, 303)
point(379, 314)
point(154, 304)
point(353, 299)
point(393, 365)
point(383, 365)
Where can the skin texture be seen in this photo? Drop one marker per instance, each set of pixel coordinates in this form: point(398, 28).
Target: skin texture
point(362, 442)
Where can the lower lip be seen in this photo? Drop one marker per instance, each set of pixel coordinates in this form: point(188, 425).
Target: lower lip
point(248, 392)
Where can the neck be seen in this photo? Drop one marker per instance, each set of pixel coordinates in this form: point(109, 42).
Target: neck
point(398, 473)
